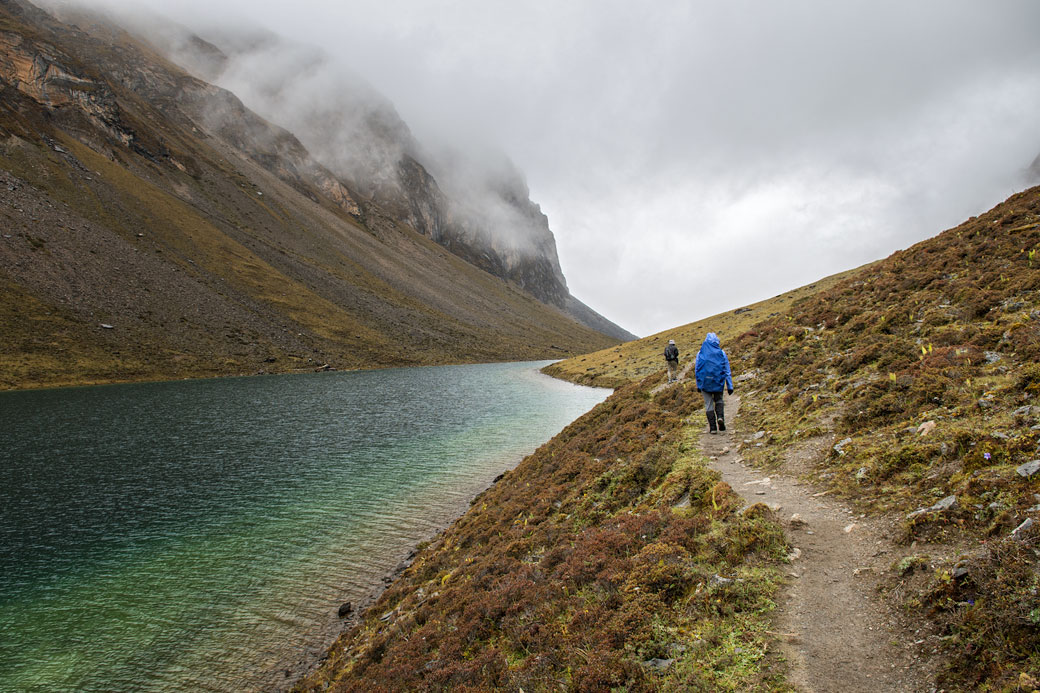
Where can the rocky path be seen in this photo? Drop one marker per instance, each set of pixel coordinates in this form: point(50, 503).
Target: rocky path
point(837, 634)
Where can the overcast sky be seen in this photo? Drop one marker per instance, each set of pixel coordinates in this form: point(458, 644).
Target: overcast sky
point(693, 157)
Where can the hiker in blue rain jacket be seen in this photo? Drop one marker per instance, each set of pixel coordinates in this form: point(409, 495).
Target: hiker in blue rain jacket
point(713, 375)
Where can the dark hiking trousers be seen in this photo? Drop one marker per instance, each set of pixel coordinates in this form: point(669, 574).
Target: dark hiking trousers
point(715, 410)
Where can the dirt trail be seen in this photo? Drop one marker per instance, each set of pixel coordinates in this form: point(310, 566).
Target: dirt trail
point(837, 634)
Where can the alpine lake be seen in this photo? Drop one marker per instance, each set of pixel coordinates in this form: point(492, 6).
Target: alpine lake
point(201, 535)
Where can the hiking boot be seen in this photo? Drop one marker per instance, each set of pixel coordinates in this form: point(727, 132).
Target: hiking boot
point(722, 424)
point(711, 422)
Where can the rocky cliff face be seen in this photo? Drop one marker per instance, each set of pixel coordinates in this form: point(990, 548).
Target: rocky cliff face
point(58, 80)
point(42, 73)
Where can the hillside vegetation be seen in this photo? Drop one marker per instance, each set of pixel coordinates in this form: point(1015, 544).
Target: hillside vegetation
point(634, 360)
point(927, 368)
point(614, 559)
point(610, 559)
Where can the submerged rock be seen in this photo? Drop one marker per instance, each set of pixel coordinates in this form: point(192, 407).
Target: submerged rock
point(345, 609)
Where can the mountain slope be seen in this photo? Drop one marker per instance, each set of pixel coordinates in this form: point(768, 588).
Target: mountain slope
point(476, 205)
point(154, 227)
point(915, 381)
point(926, 369)
point(634, 360)
point(613, 558)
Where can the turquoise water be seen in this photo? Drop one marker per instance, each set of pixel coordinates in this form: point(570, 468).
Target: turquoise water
point(200, 535)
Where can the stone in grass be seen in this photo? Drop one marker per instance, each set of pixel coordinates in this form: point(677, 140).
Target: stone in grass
point(926, 428)
point(942, 506)
point(1028, 469)
point(1023, 528)
point(658, 664)
point(722, 581)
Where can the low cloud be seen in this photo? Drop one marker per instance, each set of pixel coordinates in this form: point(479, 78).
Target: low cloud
point(693, 157)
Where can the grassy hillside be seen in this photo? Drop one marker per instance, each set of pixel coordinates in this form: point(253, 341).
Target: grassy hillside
point(637, 359)
point(614, 559)
point(610, 559)
point(925, 368)
point(928, 370)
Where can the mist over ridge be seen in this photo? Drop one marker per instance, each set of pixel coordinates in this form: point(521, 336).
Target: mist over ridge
point(477, 195)
point(468, 197)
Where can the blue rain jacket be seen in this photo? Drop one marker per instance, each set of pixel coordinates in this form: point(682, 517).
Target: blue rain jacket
point(712, 369)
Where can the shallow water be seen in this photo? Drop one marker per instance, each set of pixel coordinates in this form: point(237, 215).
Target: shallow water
point(200, 535)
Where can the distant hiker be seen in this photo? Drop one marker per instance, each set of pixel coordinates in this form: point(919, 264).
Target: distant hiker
point(712, 372)
point(671, 357)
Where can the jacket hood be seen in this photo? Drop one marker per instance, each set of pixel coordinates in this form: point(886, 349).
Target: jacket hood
point(712, 339)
